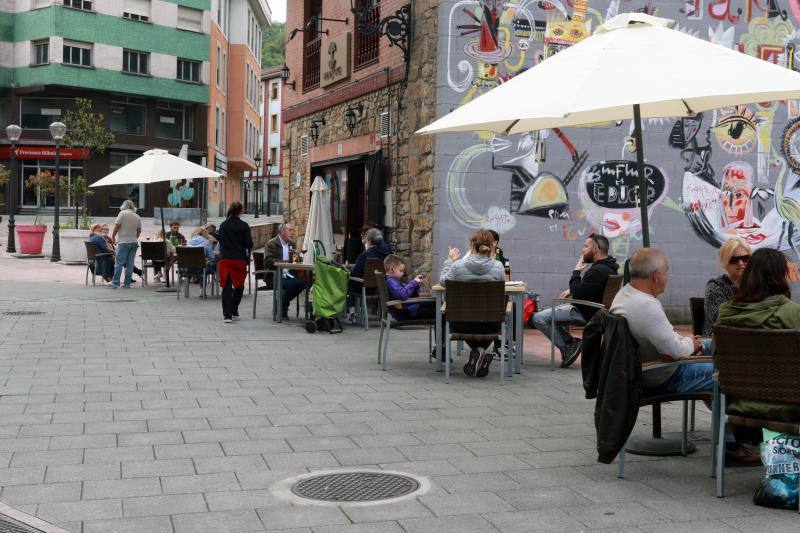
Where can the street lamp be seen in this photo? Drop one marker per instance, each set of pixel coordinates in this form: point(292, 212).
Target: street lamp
point(257, 159)
point(57, 131)
point(285, 73)
point(13, 132)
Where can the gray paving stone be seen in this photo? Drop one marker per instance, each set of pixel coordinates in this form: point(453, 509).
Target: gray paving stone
point(222, 481)
point(614, 515)
point(448, 524)
point(83, 441)
point(375, 527)
point(82, 472)
point(489, 481)
point(121, 488)
point(245, 463)
point(247, 447)
point(79, 510)
point(219, 522)
point(299, 460)
point(388, 511)
point(46, 457)
point(164, 505)
point(242, 499)
point(27, 475)
point(151, 438)
point(362, 456)
point(111, 455)
point(183, 451)
point(466, 503)
point(155, 524)
point(41, 493)
point(314, 444)
point(305, 516)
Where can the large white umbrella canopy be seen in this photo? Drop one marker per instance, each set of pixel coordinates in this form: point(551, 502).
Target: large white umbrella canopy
point(319, 226)
point(155, 166)
point(633, 66)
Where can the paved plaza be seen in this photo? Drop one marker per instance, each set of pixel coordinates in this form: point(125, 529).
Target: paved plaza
point(129, 411)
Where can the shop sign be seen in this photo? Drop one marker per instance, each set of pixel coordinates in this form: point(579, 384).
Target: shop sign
point(43, 152)
point(335, 60)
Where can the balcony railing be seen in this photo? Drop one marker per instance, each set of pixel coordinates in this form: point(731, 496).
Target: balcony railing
point(311, 64)
point(367, 46)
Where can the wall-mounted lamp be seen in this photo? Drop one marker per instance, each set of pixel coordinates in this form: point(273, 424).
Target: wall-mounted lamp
point(395, 27)
point(313, 129)
point(285, 76)
point(351, 117)
point(313, 21)
point(303, 30)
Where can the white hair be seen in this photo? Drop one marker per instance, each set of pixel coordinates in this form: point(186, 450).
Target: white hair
point(128, 205)
point(645, 261)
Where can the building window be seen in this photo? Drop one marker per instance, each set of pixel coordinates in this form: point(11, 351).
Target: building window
point(137, 10)
point(127, 115)
point(41, 3)
point(216, 126)
point(135, 62)
point(367, 47)
point(79, 54)
point(189, 70)
point(190, 19)
point(273, 123)
point(38, 198)
point(117, 194)
point(219, 65)
point(273, 91)
point(224, 71)
point(312, 40)
point(39, 113)
point(175, 121)
point(223, 128)
point(273, 156)
point(85, 5)
point(41, 52)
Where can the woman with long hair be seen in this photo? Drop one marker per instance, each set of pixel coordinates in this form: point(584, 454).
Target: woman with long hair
point(235, 244)
point(479, 264)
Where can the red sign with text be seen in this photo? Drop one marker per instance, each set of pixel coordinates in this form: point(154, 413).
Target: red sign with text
point(43, 152)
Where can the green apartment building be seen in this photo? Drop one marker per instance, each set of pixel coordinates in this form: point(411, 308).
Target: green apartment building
point(143, 63)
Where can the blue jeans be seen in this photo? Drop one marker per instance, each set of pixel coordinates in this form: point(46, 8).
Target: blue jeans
point(126, 253)
point(693, 377)
point(566, 313)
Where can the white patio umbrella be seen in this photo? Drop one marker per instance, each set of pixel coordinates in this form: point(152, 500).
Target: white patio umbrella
point(319, 226)
point(155, 166)
point(633, 66)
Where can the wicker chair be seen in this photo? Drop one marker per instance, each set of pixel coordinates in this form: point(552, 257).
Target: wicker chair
point(261, 273)
point(476, 302)
point(697, 306)
point(388, 322)
point(758, 364)
point(613, 285)
point(91, 261)
point(371, 266)
point(192, 263)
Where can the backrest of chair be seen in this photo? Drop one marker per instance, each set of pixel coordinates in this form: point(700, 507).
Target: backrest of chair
point(697, 306)
point(613, 285)
point(152, 250)
point(258, 260)
point(91, 251)
point(476, 301)
point(759, 364)
point(380, 283)
point(371, 266)
point(190, 257)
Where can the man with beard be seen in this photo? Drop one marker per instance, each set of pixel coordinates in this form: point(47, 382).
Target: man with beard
point(588, 282)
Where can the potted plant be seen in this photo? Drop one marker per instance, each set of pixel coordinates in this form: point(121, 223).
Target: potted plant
point(73, 234)
point(31, 236)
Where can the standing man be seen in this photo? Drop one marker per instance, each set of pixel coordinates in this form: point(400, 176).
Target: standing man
point(277, 251)
point(128, 227)
point(588, 282)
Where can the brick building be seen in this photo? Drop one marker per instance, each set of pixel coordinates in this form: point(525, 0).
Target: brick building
point(143, 64)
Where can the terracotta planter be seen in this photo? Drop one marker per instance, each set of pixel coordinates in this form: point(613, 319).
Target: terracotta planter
point(30, 238)
point(73, 249)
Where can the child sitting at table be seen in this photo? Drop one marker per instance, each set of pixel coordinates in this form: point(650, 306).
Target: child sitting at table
point(395, 269)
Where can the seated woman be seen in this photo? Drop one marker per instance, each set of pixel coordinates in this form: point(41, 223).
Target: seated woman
point(762, 300)
point(479, 264)
point(158, 266)
point(733, 257)
point(199, 239)
point(104, 265)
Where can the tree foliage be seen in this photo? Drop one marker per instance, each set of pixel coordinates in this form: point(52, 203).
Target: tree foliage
point(86, 129)
point(273, 45)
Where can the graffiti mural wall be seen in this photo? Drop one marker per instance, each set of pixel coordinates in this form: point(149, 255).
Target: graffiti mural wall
point(724, 173)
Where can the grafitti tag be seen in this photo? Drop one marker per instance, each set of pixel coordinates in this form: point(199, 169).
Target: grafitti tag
point(615, 184)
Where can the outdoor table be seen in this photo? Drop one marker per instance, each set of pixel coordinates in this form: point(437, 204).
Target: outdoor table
point(516, 293)
point(277, 316)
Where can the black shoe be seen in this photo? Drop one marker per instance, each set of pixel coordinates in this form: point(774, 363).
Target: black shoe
point(570, 353)
point(483, 367)
point(469, 368)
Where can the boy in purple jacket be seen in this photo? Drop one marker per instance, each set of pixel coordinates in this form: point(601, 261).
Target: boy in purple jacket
point(395, 269)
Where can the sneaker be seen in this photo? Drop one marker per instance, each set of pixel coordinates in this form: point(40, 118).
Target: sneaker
point(483, 367)
point(157, 277)
point(570, 353)
point(227, 320)
point(474, 356)
point(738, 455)
point(111, 286)
point(352, 318)
point(126, 286)
point(235, 318)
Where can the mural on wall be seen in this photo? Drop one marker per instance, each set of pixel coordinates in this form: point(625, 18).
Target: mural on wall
point(729, 172)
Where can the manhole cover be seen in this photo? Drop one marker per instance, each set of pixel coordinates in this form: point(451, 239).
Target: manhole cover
point(355, 487)
point(23, 313)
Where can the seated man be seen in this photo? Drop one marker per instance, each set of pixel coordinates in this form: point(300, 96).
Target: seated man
point(174, 235)
point(658, 341)
point(376, 249)
point(588, 282)
point(277, 251)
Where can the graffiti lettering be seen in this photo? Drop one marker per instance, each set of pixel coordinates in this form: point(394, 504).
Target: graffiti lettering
point(615, 184)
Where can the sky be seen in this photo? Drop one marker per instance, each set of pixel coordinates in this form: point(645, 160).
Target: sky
point(278, 10)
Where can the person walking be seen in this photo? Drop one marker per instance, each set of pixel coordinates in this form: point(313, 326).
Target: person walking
point(128, 227)
point(235, 245)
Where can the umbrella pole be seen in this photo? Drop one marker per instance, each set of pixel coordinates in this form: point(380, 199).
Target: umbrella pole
point(166, 270)
point(641, 197)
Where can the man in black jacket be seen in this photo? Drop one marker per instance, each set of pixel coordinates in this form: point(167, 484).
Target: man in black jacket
point(588, 282)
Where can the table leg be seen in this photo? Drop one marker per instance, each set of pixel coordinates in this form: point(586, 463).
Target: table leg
point(658, 445)
point(519, 310)
point(438, 339)
point(279, 297)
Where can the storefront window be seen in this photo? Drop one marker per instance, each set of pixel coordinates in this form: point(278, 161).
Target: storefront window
point(39, 113)
point(128, 115)
point(119, 193)
point(175, 121)
point(36, 198)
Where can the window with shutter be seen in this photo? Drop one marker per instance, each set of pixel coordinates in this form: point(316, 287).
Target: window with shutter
point(190, 19)
point(386, 124)
point(304, 145)
point(137, 10)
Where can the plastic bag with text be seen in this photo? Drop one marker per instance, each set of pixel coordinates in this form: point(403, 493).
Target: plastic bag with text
point(780, 453)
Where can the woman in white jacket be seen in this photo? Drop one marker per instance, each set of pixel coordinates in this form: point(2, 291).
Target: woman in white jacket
point(478, 265)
